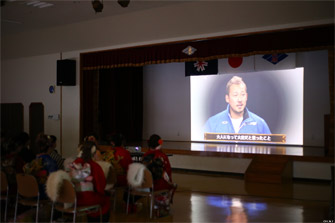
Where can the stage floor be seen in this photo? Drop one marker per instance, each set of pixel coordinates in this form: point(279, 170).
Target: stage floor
point(247, 148)
point(305, 153)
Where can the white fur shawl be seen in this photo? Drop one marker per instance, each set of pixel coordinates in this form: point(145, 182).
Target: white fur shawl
point(135, 175)
point(54, 182)
point(67, 163)
point(105, 166)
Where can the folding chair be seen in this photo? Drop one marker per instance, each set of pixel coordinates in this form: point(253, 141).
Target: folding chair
point(27, 193)
point(145, 190)
point(4, 192)
point(67, 195)
point(112, 180)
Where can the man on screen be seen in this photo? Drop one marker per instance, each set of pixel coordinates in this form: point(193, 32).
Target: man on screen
point(236, 118)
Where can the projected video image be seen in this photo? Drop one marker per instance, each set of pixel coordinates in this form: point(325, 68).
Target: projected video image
point(255, 107)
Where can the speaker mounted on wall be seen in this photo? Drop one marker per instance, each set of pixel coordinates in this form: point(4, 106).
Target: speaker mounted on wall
point(66, 72)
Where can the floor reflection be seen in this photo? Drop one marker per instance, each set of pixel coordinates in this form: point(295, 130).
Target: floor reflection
point(232, 209)
point(218, 208)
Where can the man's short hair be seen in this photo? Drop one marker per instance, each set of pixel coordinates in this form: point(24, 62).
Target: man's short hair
point(234, 80)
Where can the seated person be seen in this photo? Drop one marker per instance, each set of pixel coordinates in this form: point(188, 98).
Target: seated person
point(94, 138)
point(12, 163)
point(120, 158)
point(90, 181)
point(23, 141)
point(159, 165)
point(53, 152)
point(43, 165)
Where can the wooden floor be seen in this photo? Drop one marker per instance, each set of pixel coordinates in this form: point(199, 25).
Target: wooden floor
point(218, 198)
point(227, 198)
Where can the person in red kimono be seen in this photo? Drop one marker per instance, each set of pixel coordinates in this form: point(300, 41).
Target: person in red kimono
point(94, 138)
point(159, 165)
point(120, 158)
point(90, 182)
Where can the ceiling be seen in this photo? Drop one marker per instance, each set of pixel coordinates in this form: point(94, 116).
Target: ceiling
point(20, 16)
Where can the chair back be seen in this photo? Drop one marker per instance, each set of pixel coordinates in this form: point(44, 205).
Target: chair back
point(148, 181)
point(4, 182)
point(67, 193)
point(27, 185)
point(144, 190)
point(111, 177)
point(4, 192)
point(139, 176)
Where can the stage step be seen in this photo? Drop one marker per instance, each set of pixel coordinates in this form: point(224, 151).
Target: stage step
point(269, 170)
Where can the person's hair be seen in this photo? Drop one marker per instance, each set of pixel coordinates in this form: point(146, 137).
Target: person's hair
point(21, 139)
point(11, 145)
point(153, 141)
point(42, 143)
point(86, 150)
point(235, 80)
point(53, 138)
point(86, 138)
point(118, 139)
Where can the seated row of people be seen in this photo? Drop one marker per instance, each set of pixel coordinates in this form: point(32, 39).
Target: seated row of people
point(47, 161)
point(18, 157)
point(155, 160)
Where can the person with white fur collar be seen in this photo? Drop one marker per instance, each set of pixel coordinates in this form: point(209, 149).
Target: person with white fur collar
point(96, 195)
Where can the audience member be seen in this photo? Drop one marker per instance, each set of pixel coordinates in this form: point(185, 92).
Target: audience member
point(16, 156)
point(23, 141)
point(43, 164)
point(4, 143)
point(12, 163)
point(90, 181)
point(53, 152)
point(159, 165)
point(18, 152)
point(92, 137)
point(119, 157)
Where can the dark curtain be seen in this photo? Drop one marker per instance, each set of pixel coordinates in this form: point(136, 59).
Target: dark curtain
point(11, 118)
point(120, 102)
point(36, 123)
point(112, 103)
point(89, 102)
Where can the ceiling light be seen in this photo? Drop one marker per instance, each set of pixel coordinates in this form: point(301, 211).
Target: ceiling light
point(123, 3)
point(97, 5)
point(32, 2)
point(46, 5)
point(39, 4)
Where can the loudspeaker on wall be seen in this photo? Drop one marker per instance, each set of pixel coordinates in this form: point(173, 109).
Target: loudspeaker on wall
point(66, 72)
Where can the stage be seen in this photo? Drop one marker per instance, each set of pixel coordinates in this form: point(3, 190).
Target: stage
point(307, 162)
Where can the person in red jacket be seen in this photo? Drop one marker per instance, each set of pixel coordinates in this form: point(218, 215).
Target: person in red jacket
point(90, 182)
